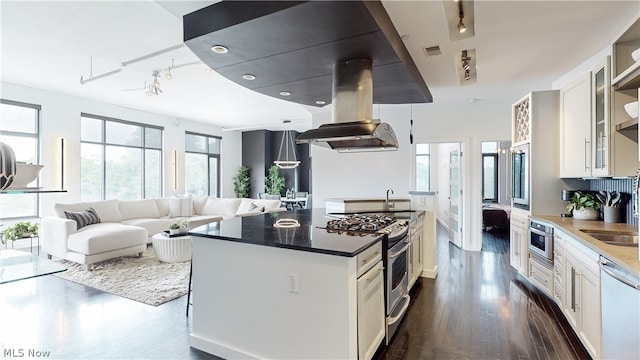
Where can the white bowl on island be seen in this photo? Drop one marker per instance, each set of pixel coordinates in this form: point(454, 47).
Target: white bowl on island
point(25, 175)
point(635, 55)
point(631, 109)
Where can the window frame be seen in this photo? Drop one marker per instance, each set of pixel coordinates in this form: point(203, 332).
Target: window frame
point(38, 138)
point(103, 144)
point(210, 155)
point(495, 177)
point(428, 157)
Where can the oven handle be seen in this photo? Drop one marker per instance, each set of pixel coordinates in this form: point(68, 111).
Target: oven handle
point(541, 233)
point(393, 320)
point(399, 252)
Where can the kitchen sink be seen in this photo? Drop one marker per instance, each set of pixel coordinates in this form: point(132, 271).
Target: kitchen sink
point(619, 238)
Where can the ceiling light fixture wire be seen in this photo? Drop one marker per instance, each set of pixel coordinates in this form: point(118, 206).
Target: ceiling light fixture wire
point(286, 163)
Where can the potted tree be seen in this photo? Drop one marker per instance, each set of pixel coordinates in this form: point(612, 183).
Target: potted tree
point(584, 206)
point(273, 182)
point(242, 182)
point(20, 230)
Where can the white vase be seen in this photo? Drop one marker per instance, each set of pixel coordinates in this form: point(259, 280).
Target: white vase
point(586, 214)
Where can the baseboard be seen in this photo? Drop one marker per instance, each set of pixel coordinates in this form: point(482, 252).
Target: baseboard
point(430, 273)
point(216, 349)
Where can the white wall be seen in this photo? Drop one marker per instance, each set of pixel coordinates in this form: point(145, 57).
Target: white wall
point(370, 174)
point(60, 117)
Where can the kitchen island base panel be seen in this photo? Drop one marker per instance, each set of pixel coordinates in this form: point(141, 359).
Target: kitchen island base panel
point(244, 303)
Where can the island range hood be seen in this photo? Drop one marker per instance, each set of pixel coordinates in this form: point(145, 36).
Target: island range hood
point(353, 128)
point(313, 53)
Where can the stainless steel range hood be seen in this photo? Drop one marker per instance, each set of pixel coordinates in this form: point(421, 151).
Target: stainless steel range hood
point(353, 128)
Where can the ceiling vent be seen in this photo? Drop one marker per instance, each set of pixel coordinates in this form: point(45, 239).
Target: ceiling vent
point(433, 51)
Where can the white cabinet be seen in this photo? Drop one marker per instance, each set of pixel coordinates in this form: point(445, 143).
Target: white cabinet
point(518, 242)
point(416, 236)
point(540, 275)
point(581, 299)
point(575, 128)
point(601, 137)
point(371, 314)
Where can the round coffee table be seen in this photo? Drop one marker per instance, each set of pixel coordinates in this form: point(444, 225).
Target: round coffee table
point(172, 249)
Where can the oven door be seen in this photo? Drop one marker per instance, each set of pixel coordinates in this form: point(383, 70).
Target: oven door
point(541, 243)
point(397, 273)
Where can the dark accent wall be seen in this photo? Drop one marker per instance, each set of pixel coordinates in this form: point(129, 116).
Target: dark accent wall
point(620, 185)
point(260, 149)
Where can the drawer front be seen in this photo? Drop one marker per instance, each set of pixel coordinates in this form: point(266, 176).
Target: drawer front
point(541, 276)
point(368, 258)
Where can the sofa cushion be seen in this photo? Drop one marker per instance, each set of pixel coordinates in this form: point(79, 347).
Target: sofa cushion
point(133, 209)
point(153, 226)
point(102, 237)
point(221, 206)
point(250, 206)
point(107, 210)
point(163, 206)
point(199, 220)
point(180, 206)
point(198, 204)
point(83, 218)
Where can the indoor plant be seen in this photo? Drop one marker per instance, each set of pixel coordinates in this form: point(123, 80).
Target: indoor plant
point(273, 182)
point(242, 183)
point(19, 230)
point(178, 228)
point(584, 206)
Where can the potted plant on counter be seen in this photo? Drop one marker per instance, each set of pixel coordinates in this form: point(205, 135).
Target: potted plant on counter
point(584, 206)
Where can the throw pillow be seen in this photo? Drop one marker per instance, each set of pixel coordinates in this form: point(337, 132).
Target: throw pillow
point(83, 218)
point(255, 208)
point(181, 206)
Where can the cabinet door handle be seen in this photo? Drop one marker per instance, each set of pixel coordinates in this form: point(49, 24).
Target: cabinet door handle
point(574, 306)
point(586, 152)
point(375, 255)
point(602, 152)
point(375, 276)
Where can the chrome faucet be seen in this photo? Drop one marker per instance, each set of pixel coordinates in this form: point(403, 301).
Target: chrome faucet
point(386, 201)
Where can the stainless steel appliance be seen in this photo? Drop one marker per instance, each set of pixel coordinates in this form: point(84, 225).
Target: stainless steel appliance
point(520, 176)
point(620, 301)
point(396, 260)
point(541, 240)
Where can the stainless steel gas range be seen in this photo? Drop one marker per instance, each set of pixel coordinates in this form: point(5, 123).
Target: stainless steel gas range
point(395, 261)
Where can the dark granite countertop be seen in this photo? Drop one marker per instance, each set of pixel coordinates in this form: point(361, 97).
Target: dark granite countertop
point(271, 230)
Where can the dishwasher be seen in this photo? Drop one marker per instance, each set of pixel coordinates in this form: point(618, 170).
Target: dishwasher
point(620, 297)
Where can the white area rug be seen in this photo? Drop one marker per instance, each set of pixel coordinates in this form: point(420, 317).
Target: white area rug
point(144, 279)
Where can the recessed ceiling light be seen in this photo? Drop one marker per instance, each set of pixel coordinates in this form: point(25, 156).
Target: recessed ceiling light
point(320, 102)
point(248, 77)
point(285, 93)
point(219, 49)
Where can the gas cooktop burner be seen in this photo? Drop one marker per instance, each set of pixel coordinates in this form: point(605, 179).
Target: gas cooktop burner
point(361, 223)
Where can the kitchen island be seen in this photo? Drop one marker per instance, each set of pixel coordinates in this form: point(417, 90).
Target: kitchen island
point(281, 286)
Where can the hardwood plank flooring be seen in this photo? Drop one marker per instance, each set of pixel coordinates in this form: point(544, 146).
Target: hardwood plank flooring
point(477, 308)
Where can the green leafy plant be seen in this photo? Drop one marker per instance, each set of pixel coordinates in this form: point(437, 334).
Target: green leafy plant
point(583, 200)
point(273, 182)
point(242, 182)
point(19, 230)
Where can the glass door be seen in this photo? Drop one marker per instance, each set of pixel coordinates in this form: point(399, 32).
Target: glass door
point(600, 119)
point(455, 224)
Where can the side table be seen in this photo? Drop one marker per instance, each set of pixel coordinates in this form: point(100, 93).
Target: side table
point(172, 249)
point(6, 244)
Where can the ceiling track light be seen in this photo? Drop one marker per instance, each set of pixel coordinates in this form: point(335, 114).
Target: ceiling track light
point(154, 88)
point(461, 27)
point(168, 74)
point(465, 60)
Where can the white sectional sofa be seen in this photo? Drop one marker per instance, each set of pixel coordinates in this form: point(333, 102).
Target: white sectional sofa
point(126, 227)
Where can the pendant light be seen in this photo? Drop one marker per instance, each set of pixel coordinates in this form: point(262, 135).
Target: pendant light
point(284, 162)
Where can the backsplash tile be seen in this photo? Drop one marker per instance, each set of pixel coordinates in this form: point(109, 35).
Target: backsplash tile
point(624, 185)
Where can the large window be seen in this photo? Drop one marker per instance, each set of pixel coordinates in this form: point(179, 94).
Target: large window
point(20, 129)
point(423, 167)
point(119, 159)
point(490, 171)
point(202, 164)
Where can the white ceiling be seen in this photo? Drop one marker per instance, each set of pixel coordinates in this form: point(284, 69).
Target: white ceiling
point(520, 46)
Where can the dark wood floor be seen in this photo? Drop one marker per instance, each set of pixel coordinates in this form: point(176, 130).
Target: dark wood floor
point(477, 308)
